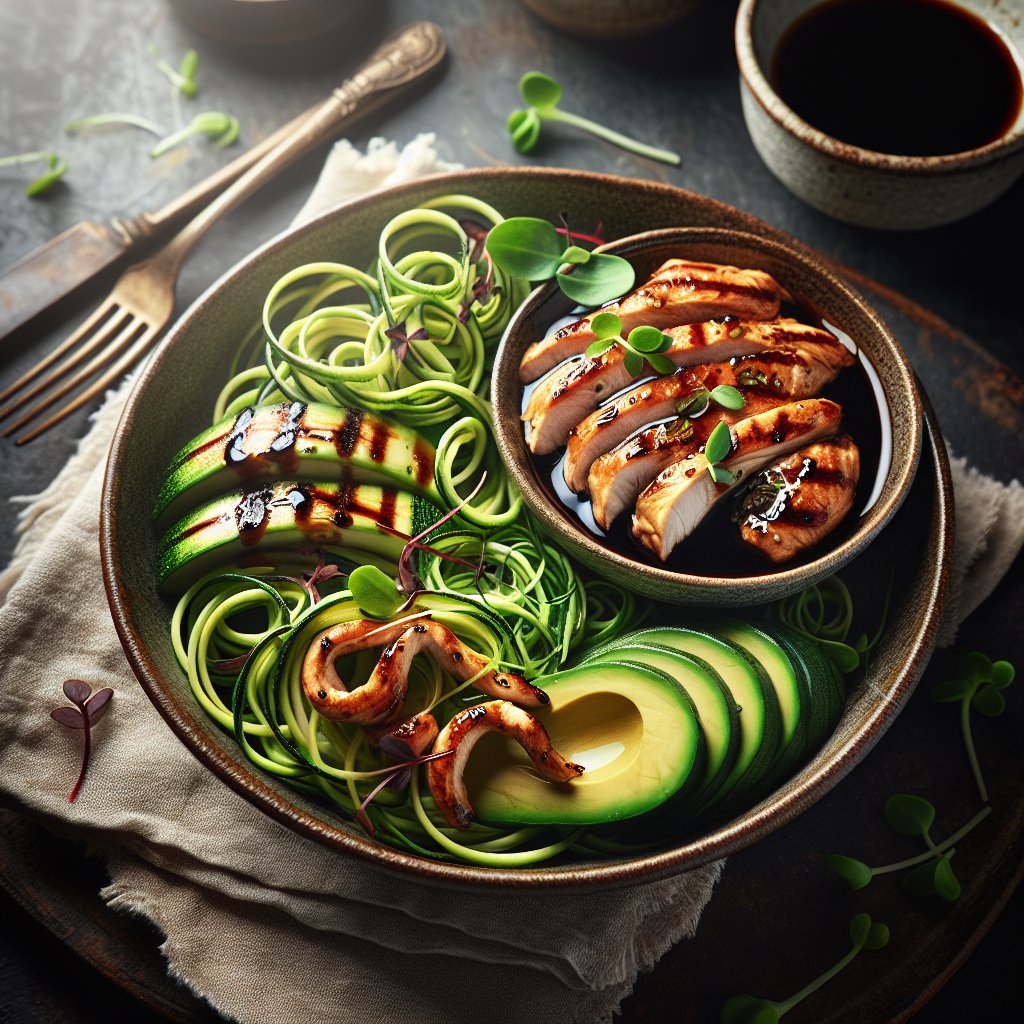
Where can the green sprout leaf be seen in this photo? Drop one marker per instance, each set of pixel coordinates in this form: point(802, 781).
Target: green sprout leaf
point(695, 403)
point(909, 815)
point(374, 592)
point(221, 129)
point(599, 347)
point(728, 397)
point(855, 873)
point(721, 475)
point(988, 701)
point(526, 247)
point(576, 255)
point(648, 339)
point(606, 326)
point(184, 78)
point(719, 443)
point(860, 927)
point(950, 691)
point(118, 120)
point(661, 364)
point(601, 278)
point(1002, 674)
point(542, 95)
point(634, 363)
point(947, 885)
point(877, 937)
point(56, 168)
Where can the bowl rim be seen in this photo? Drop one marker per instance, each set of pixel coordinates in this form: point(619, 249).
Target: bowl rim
point(771, 813)
point(756, 81)
point(898, 480)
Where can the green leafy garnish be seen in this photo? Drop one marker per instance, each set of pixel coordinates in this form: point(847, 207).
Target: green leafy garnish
point(978, 687)
point(542, 95)
point(643, 344)
point(56, 166)
point(99, 120)
point(718, 447)
point(221, 129)
point(532, 249)
point(912, 816)
point(864, 934)
point(184, 78)
point(700, 398)
point(374, 591)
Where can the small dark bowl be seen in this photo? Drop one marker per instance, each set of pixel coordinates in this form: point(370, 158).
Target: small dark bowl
point(814, 287)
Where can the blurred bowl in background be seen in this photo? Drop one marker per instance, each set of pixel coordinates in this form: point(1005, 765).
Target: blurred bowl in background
point(265, 21)
point(862, 186)
point(610, 19)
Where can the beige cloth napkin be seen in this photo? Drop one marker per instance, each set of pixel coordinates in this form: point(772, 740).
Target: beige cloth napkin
point(267, 925)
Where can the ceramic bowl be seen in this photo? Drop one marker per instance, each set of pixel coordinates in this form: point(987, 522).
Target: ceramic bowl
point(814, 287)
point(610, 19)
point(171, 402)
point(859, 186)
point(265, 22)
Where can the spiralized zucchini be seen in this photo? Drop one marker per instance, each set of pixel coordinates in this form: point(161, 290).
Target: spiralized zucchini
point(412, 337)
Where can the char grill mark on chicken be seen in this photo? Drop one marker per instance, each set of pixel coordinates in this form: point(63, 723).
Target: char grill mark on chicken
point(679, 292)
point(562, 400)
point(799, 501)
point(671, 507)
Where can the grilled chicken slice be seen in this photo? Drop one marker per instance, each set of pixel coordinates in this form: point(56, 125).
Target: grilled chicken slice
point(797, 502)
point(766, 380)
point(572, 392)
point(679, 292)
point(670, 508)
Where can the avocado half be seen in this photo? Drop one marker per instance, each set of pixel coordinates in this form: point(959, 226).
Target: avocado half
point(633, 729)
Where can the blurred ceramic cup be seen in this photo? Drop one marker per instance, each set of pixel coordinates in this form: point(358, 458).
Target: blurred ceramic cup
point(864, 186)
point(610, 19)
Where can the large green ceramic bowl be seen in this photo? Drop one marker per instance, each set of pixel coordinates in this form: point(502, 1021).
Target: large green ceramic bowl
point(895, 409)
point(172, 402)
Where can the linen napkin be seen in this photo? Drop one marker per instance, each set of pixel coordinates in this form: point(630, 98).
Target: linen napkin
point(266, 924)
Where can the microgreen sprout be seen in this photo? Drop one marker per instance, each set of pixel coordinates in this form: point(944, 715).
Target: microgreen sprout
point(643, 344)
point(184, 78)
point(700, 398)
point(718, 447)
point(978, 687)
point(88, 708)
point(864, 934)
point(55, 167)
point(398, 776)
point(221, 129)
point(532, 249)
point(116, 119)
point(542, 95)
point(912, 816)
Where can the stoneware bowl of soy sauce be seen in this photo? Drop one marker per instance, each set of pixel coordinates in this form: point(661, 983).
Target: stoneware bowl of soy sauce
point(899, 114)
point(881, 411)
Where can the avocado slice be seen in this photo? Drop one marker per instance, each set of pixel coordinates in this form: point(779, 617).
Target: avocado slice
point(299, 441)
point(633, 729)
point(281, 516)
point(715, 705)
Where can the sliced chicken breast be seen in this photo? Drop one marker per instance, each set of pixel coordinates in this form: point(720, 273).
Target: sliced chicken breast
point(679, 292)
point(765, 380)
point(795, 503)
point(671, 507)
point(572, 392)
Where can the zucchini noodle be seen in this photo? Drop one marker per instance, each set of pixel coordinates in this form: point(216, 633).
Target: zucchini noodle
point(411, 336)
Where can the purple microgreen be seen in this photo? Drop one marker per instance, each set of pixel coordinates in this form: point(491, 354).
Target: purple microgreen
point(88, 709)
point(231, 664)
point(400, 340)
point(477, 234)
point(594, 239)
point(399, 777)
point(320, 574)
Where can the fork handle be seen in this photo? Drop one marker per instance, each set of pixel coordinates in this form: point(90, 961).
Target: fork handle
point(400, 61)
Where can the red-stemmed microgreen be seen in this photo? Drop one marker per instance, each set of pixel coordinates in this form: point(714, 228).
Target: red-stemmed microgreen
point(184, 77)
point(88, 709)
point(532, 249)
point(718, 447)
point(542, 95)
point(864, 934)
point(911, 815)
point(55, 168)
point(400, 340)
point(381, 596)
point(399, 775)
point(570, 233)
point(220, 128)
point(643, 345)
point(977, 687)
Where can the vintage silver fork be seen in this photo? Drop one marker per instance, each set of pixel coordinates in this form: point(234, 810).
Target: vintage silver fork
point(141, 303)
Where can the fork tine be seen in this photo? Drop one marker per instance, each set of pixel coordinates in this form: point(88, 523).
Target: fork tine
point(126, 336)
point(102, 311)
point(119, 322)
point(115, 371)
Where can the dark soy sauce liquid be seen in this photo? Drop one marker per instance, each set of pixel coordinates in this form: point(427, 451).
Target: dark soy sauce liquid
point(908, 77)
point(715, 548)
